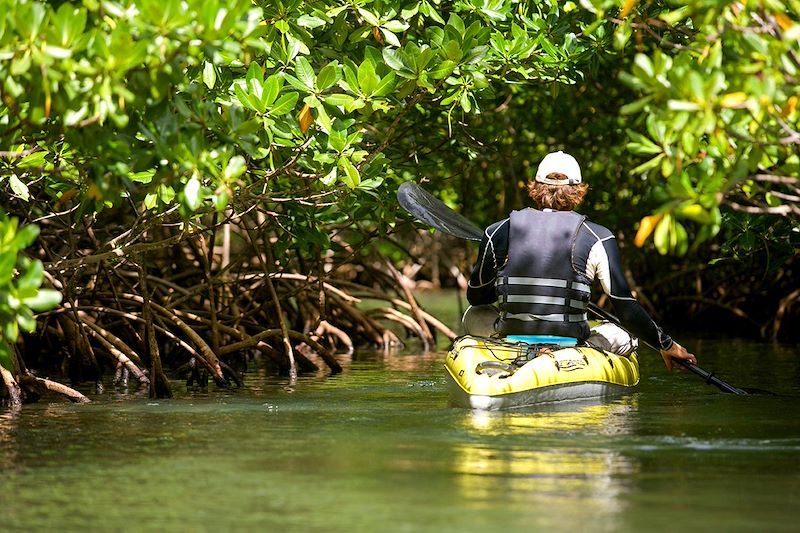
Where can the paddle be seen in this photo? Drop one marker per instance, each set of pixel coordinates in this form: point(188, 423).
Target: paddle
point(427, 208)
point(709, 377)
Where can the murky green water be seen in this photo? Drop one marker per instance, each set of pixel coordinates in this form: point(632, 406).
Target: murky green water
point(378, 449)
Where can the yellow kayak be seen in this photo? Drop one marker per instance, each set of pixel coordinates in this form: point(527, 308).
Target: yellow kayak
point(493, 374)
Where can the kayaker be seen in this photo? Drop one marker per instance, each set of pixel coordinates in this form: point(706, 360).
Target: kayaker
point(539, 265)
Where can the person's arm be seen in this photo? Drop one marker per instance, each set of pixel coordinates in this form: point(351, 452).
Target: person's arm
point(605, 259)
point(491, 256)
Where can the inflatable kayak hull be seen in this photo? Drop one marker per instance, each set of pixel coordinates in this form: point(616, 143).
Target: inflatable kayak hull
point(491, 374)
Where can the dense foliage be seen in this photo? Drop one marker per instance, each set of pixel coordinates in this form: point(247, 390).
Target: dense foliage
point(215, 178)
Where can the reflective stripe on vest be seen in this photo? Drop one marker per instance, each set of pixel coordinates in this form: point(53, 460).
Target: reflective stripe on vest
point(547, 282)
point(550, 300)
point(547, 318)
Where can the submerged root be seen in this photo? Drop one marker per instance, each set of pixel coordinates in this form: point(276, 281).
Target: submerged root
point(68, 392)
point(12, 387)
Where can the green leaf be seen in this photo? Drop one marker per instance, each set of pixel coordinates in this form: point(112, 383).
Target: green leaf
point(642, 145)
point(328, 76)
point(309, 21)
point(696, 85)
point(254, 73)
point(255, 87)
point(26, 320)
point(11, 330)
point(443, 69)
point(166, 194)
point(369, 17)
point(19, 188)
point(74, 116)
point(34, 160)
point(209, 75)
point(466, 105)
point(297, 84)
point(5, 356)
point(338, 99)
point(695, 212)
point(452, 51)
point(145, 176)
point(643, 67)
point(635, 106)
point(191, 193)
point(675, 16)
point(337, 140)
point(244, 97)
point(8, 261)
point(44, 300)
point(235, 168)
point(25, 236)
point(390, 37)
point(220, 200)
point(661, 235)
point(32, 277)
point(57, 52)
point(67, 24)
point(323, 119)
point(551, 50)
point(393, 59)
point(682, 105)
point(680, 240)
point(351, 177)
point(284, 104)
point(29, 21)
point(150, 200)
point(271, 87)
point(772, 200)
point(385, 86)
point(305, 73)
point(330, 178)
point(648, 165)
point(350, 82)
point(395, 26)
point(367, 79)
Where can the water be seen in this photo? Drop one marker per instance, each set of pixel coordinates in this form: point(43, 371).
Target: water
point(378, 449)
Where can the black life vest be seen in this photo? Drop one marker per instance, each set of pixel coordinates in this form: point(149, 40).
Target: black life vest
point(541, 291)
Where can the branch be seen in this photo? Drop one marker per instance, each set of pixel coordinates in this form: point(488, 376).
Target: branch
point(118, 253)
point(22, 153)
point(781, 210)
point(785, 180)
point(69, 392)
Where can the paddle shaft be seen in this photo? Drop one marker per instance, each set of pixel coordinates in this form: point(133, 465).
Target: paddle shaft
point(709, 377)
point(429, 209)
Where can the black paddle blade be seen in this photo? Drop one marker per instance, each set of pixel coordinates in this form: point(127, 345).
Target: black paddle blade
point(426, 207)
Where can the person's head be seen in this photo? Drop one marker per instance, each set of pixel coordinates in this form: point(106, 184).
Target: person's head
point(558, 183)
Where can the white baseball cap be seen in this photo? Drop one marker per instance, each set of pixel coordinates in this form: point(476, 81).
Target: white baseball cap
point(560, 163)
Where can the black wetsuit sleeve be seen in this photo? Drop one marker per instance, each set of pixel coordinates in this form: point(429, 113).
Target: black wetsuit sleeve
point(492, 254)
point(630, 312)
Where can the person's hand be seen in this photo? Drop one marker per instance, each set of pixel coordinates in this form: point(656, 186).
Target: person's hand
point(678, 352)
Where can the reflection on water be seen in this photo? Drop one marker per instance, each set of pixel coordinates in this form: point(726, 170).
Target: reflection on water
point(557, 416)
point(541, 465)
point(8, 453)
